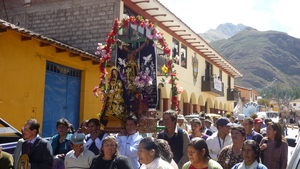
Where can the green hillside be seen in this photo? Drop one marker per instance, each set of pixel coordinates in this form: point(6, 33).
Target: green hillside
point(263, 57)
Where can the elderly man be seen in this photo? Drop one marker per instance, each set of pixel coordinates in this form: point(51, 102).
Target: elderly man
point(38, 150)
point(182, 123)
point(220, 139)
point(176, 137)
point(78, 157)
point(129, 140)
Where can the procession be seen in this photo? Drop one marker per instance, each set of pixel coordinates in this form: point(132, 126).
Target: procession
point(126, 84)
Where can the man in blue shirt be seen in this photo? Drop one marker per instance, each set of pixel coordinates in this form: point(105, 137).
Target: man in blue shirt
point(248, 124)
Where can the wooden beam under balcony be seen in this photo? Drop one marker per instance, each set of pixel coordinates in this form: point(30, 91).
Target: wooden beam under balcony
point(43, 44)
point(24, 38)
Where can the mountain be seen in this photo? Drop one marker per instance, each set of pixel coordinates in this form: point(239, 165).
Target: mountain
point(223, 31)
point(262, 57)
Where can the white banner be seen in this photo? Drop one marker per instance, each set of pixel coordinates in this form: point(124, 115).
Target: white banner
point(217, 84)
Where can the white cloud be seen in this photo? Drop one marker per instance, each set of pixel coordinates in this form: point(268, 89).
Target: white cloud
point(202, 15)
point(287, 13)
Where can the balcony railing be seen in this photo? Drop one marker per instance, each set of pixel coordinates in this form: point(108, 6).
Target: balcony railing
point(213, 86)
point(232, 95)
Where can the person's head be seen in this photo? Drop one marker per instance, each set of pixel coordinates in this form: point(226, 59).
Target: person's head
point(250, 152)
point(62, 126)
point(180, 119)
point(196, 125)
point(274, 132)
point(267, 120)
point(77, 143)
point(84, 123)
point(165, 150)
point(93, 125)
point(148, 150)
point(257, 124)
point(170, 119)
point(31, 129)
point(109, 147)
point(223, 125)
point(238, 134)
point(71, 129)
point(202, 119)
point(215, 119)
point(197, 150)
point(232, 119)
point(248, 124)
point(208, 123)
point(126, 47)
point(131, 125)
point(241, 118)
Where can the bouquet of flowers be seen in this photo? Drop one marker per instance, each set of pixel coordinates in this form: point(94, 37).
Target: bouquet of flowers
point(141, 81)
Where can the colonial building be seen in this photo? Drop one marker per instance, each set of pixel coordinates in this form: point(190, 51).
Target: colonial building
point(247, 94)
point(206, 76)
point(44, 79)
point(295, 104)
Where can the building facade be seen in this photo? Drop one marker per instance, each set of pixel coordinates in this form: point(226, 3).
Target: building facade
point(206, 77)
point(44, 79)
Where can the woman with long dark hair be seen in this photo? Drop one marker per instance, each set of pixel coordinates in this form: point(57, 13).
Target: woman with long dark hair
point(274, 147)
point(109, 157)
point(250, 153)
point(199, 156)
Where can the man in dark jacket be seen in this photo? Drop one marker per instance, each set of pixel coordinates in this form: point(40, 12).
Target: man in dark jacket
point(38, 150)
point(176, 137)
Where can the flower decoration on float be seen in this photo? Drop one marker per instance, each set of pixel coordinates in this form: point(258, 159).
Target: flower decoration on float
point(169, 71)
point(111, 41)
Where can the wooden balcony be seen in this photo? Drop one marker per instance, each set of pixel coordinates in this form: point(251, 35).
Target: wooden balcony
point(232, 95)
point(209, 86)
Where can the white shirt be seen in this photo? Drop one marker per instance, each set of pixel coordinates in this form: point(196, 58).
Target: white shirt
point(157, 163)
point(183, 126)
point(128, 146)
point(98, 142)
point(216, 144)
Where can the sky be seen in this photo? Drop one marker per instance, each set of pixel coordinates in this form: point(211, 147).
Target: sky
point(263, 15)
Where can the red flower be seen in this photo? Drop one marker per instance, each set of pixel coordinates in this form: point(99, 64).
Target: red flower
point(172, 74)
point(167, 51)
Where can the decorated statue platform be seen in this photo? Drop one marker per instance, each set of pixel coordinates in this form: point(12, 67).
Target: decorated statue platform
point(131, 89)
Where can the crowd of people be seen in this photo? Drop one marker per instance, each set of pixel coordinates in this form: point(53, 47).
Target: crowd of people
point(211, 144)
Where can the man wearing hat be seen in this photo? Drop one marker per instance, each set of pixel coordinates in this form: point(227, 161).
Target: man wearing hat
point(220, 139)
point(258, 126)
point(78, 158)
point(182, 123)
point(240, 118)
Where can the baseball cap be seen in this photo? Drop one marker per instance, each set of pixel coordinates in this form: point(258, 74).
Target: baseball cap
point(78, 138)
point(241, 117)
point(223, 121)
point(258, 120)
point(180, 116)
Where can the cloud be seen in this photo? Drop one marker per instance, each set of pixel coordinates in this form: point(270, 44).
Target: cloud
point(202, 15)
point(287, 13)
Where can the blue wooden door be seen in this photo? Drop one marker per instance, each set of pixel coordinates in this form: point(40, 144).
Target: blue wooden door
point(62, 97)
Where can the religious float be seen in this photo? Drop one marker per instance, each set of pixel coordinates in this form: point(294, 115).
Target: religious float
point(131, 89)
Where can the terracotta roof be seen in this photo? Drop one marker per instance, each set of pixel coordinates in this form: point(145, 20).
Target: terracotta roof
point(6, 25)
point(164, 16)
